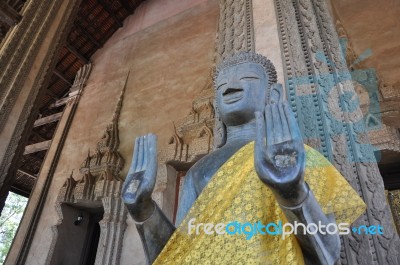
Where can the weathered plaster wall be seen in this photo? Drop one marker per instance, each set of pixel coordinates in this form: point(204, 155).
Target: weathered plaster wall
point(167, 47)
point(373, 25)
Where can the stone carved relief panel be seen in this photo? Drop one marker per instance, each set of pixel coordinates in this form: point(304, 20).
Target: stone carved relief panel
point(394, 201)
point(317, 81)
point(99, 187)
point(235, 28)
point(385, 138)
point(193, 137)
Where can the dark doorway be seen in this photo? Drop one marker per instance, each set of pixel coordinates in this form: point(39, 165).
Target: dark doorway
point(92, 240)
point(78, 236)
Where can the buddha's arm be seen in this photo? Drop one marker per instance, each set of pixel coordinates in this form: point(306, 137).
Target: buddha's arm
point(154, 233)
point(319, 248)
point(186, 199)
point(156, 230)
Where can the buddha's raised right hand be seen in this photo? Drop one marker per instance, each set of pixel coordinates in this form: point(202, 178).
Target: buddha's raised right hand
point(141, 178)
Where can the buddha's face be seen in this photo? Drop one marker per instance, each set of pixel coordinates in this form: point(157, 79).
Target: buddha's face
point(241, 91)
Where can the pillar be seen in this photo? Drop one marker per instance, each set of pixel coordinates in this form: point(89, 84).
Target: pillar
point(320, 90)
point(27, 59)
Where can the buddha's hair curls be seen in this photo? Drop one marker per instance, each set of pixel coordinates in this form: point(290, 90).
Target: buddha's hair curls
point(249, 57)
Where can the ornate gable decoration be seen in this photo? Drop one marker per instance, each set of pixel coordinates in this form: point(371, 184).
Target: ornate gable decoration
point(100, 170)
point(193, 137)
point(106, 160)
point(99, 188)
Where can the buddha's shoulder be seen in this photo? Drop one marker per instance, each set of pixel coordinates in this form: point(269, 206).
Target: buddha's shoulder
point(208, 162)
point(211, 162)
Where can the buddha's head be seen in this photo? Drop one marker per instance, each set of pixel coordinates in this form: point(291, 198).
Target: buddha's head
point(242, 87)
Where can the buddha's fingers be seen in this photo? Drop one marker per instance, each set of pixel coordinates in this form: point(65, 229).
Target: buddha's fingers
point(135, 156)
point(285, 126)
point(145, 153)
point(140, 156)
point(151, 166)
point(292, 123)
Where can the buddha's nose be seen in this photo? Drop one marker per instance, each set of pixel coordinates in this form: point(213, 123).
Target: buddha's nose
point(233, 83)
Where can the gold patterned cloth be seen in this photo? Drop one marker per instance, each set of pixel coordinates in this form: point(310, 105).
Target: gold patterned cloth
point(235, 193)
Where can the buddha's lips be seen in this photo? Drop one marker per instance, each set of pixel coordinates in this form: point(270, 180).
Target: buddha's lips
point(231, 95)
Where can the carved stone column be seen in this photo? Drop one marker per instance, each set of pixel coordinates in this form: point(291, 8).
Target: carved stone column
point(112, 228)
point(21, 245)
point(320, 91)
point(235, 28)
point(27, 58)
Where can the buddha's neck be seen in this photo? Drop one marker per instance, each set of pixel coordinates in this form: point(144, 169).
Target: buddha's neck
point(244, 133)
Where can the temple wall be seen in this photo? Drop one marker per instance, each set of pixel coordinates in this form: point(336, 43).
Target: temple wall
point(167, 47)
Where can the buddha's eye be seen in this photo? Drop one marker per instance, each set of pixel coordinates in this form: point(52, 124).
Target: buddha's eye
point(249, 78)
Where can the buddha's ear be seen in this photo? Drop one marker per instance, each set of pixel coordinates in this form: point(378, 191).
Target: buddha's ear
point(219, 130)
point(276, 94)
point(267, 94)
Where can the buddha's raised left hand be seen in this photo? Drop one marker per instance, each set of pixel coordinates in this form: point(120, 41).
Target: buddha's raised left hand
point(279, 155)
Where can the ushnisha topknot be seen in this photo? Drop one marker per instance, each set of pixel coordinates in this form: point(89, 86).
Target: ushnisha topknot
point(249, 57)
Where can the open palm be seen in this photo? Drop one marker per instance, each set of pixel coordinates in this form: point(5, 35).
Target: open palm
point(279, 155)
point(141, 178)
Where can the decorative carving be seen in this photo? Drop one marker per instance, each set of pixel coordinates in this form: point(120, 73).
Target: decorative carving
point(235, 28)
point(389, 91)
point(81, 78)
point(100, 187)
point(193, 138)
point(18, 55)
point(350, 54)
point(394, 202)
point(67, 190)
point(316, 72)
point(385, 138)
point(84, 189)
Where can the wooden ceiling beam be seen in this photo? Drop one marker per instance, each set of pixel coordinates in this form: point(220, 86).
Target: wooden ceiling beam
point(59, 103)
point(88, 35)
point(47, 119)
point(77, 53)
point(62, 77)
point(8, 15)
point(34, 148)
point(110, 12)
point(29, 175)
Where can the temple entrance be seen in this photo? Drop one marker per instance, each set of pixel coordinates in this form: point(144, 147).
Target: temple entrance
point(175, 177)
point(78, 236)
point(92, 240)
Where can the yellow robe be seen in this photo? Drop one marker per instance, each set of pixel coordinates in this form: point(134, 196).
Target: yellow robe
point(235, 193)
